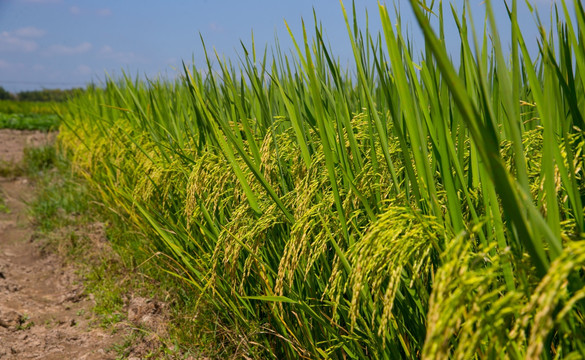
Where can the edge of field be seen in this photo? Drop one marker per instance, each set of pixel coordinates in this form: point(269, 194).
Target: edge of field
point(121, 274)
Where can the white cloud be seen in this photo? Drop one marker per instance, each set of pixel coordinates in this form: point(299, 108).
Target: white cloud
point(215, 27)
point(29, 32)
point(8, 66)
point(125, 57)
point(76, 10)
point(83, 70)
point(104, 12)
point(19, 40)
point(11, 42)
point(69, 50)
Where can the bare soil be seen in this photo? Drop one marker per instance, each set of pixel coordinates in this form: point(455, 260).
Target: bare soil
point(44, 313)
point(13, 142)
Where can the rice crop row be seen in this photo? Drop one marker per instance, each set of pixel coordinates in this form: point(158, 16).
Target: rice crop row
point(399, 209)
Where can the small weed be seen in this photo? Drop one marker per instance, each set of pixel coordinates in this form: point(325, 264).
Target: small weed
point(39, 158)
point(122, 349)
point(24, 323)
point(10, 169)
point(3, 207)
point(50, 323)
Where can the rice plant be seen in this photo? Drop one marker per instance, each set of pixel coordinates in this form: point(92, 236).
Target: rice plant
point(399, 209)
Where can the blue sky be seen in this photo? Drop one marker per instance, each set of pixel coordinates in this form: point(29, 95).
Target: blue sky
point(66, 43)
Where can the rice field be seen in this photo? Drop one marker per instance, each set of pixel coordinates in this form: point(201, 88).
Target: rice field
point(408, 207)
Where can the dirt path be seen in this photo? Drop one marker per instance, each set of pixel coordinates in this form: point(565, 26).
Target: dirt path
point(43, 313)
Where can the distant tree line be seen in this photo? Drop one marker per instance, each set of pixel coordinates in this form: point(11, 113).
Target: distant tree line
point(5, 95)
point(39, 95)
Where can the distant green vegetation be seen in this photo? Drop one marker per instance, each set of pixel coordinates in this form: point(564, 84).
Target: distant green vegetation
point(44, 95)
point(29, 115)
point(33, 110)
point(5, 95)
point(29, 122)
point(400, 210)
point(30, 107)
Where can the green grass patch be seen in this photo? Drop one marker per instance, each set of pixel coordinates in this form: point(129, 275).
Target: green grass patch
point(39, 158)
point(10, 169)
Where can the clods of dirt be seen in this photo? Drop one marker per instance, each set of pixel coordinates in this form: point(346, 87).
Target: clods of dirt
point(148, 313)
point(10, 319)
point(43, 314)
